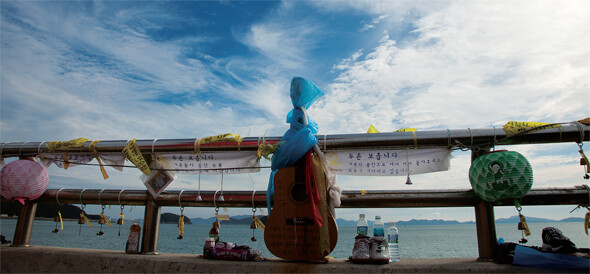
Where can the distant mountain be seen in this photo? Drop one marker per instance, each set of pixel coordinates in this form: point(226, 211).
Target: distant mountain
point(431, 222)
point(234, 220)
point(513, 219)
point(171, 218)
point(516, 219)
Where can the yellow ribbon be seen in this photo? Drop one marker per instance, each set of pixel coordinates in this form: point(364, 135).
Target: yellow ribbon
point(133, 153)
point(512, 128)
point(61, 222)
point(363, 192)
point(76, 143)
point(181, 225)
point(265, 149)
point(527, 232)
point(413, 130)
point(372, 129)
point(102, 216)
point(64, 157)
point(259, 223)
point(227, 137)
point(586, 220)
point(85, 219)
point(92, 148)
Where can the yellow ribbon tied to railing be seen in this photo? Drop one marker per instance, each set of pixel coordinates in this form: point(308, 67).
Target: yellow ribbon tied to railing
point(513, 127)
point(92, 148)
point(133, 153)
point(76, 143)
point(227, 137)
point(413, 130)
point(102, 216)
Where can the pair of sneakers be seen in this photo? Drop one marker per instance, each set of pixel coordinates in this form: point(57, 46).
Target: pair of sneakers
point(370, 250)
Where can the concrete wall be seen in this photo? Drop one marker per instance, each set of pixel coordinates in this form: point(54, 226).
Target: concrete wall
point(35, 259)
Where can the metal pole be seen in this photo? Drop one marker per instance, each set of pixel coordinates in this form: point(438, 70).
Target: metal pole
point(24, 225)
point(151, 226)
point(450, 137)
point(485, 224)
point(577, 195)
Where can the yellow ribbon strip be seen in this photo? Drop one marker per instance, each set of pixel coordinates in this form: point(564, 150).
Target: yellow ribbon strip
point(85, 219)
point(413, 130)
point(227, 137)
point(62, 222)
point(92, 148)
point(102, 216)
point(265, 149)
point(133, 153)
point(221, 217)
point(586, 221)
point(122, 217)
point(259, 223)
point(527, 232)
point(587, 163)
point(181, 225)
point(64, 157)
point(363, 192)
point(76, 143)
point(512, 128)
point(372, 129)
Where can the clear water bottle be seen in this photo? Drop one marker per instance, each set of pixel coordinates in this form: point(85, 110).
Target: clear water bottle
point(362, 227)
point(378, 228)
point(393, 242)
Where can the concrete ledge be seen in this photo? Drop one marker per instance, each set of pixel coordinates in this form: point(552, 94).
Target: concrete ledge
point(34, 259)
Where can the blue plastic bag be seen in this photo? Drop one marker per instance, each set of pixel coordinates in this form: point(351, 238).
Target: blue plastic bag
point(526, 256)
point(300, 138)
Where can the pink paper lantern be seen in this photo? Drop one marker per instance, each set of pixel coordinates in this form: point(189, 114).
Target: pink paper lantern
point(23, 180)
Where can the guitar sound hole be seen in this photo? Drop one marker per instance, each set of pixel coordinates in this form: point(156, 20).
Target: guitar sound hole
point(298, 192)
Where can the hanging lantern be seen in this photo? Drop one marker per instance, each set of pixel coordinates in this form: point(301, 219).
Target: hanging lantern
point(23, 180)
point(500, 175)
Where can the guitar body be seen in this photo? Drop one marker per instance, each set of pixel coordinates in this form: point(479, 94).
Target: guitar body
point(291, 232)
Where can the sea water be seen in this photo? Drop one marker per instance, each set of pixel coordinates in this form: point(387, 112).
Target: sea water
point(417, 241)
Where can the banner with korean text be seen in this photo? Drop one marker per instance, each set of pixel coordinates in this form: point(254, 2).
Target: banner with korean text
point(211, 163)
point(386, 162)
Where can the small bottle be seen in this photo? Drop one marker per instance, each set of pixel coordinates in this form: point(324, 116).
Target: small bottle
point(362, 228)
point(378, 228)
point(214, 232)
point(133, 240)
point(393, 242)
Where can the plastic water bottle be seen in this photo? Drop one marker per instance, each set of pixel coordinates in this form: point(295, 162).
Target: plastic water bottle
point(362, 228)
point(378, 228)
point(393, 242)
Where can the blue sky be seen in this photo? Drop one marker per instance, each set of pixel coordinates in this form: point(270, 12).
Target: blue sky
point(116, 70)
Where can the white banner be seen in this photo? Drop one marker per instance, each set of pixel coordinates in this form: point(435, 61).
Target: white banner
point(212, 163)
point(115, 160)
point(384, 162)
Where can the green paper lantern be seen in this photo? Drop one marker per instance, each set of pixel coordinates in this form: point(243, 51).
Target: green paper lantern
point(500, 175)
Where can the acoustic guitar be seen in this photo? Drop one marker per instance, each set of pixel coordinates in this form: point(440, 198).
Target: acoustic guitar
point(291, 232)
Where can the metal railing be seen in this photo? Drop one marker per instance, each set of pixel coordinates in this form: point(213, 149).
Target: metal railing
point(478, 140)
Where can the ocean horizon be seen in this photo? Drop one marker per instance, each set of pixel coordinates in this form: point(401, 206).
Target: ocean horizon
point(416, 241)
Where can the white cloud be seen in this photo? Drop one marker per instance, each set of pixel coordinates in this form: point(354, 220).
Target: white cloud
point(468, 67)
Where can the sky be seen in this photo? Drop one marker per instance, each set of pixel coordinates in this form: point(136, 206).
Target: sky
point(117, 70)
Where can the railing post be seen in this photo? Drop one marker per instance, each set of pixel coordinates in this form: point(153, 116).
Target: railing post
point(151, 225)
point(24, 225)
point(485, 224)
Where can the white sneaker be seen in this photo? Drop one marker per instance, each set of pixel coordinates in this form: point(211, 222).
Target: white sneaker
point(379, 251)
point(361, 250)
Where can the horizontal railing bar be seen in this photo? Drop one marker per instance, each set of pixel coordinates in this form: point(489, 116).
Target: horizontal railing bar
point(566, 133)
point(578, 195)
